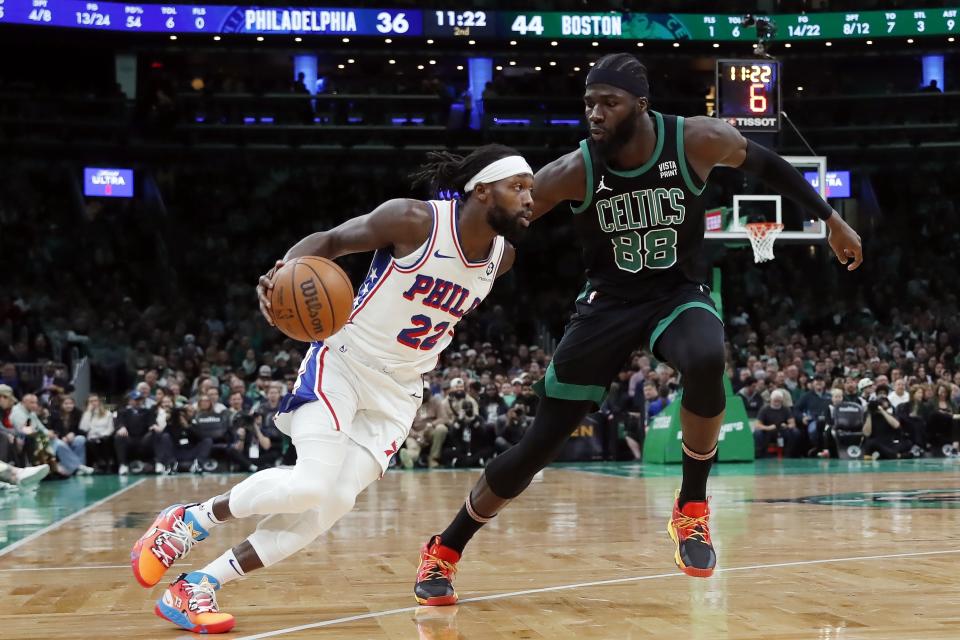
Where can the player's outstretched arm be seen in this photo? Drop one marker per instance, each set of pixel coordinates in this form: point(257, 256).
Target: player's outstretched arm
point(401, 223)
point(710, 142)
point(563, 179)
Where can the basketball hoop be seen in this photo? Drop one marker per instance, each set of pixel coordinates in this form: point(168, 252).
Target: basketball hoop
point(762, 235)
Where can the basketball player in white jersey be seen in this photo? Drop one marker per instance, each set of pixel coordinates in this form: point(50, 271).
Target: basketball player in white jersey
point(358, 391)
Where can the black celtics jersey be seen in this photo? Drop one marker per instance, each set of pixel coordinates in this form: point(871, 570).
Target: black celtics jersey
point(642, 229)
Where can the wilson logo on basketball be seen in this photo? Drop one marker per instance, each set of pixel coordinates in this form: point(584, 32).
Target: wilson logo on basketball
point(311, 298)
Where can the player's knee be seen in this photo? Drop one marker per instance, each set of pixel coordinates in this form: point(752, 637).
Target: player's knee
point(338, 501)
point(707, 364)
point(303, 497)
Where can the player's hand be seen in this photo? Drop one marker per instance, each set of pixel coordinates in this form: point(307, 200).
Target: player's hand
point(264, 286)
point(845, 242)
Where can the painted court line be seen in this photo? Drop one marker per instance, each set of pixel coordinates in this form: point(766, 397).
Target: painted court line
point(59, 523)
point(579, 585)
point(92, 567)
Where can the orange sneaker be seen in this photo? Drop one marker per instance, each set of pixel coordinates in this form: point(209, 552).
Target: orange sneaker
point(191, 604)
point(438, 565)
point(690, 530)
point(169, 538)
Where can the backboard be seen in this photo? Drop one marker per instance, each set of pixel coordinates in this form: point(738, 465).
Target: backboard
point(725, 224)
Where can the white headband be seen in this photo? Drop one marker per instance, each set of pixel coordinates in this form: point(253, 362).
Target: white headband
point(502, 168)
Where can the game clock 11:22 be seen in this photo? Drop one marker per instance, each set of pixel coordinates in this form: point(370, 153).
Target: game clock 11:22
point(748, 94)
point(459, 23)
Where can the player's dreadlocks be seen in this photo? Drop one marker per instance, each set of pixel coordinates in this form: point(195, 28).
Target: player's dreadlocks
point(447, 171)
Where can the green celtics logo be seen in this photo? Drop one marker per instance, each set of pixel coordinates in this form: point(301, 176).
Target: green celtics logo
point(655, 26)
point(912, 499)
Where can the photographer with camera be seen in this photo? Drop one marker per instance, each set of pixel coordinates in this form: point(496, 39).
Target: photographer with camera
point(884, 437)
point(469, 442)
point(775, 424)
point(510, 427)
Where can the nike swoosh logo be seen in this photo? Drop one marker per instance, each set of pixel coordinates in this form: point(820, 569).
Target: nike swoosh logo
point(440, 255)
point(235, 568)
point(416, 396)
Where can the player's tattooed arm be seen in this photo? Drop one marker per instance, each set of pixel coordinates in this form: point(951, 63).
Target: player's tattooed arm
point(401, 223)
point(562, 180)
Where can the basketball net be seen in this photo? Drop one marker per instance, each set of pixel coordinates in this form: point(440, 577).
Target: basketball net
point(762, 235)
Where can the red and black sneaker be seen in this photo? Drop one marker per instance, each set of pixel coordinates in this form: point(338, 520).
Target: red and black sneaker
point(438, 565)
point(690, 530)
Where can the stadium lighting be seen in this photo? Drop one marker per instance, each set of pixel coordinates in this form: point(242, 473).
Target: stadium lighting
point(259, 38)
point(433, 62)
point(828, 43)
point(799, 88)
point(459, 67)
point(298, 39)
point(553, 63)
point(420, 67)
point(787, 45)
point(639, 44)
point(429, 41)
point(909, 40)
point(513, 43)
point(216, 38)
point(716, 45)
point(553, 43)
point(388, 40)
point(345, 40)
point(576, 68)
point(391, 61)
point(592, 63)
point(676, 44)
point(173, 37)
point(951, 39)
point(471, 42)
point(513, 63)
point(595, 43)
point(341, 66)
point(869, 41)
point(350, 61)
point(538, 68)
point(499, 67)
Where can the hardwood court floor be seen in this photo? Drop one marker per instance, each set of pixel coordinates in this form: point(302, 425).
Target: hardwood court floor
point(871, 551)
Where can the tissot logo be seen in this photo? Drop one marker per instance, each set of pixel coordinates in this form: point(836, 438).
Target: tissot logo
point(755, 122)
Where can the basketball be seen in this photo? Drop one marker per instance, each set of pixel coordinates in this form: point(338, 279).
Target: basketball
point(311, 298)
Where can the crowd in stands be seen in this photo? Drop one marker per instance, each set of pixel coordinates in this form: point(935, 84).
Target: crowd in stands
point(157, 292)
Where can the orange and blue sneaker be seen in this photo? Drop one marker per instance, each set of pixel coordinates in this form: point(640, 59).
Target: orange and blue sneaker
point(438, 565)
point(191, 604)
point(169, 538)
point(690, 529)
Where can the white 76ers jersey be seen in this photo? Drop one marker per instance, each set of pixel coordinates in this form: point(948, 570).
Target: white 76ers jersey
point(406, 309)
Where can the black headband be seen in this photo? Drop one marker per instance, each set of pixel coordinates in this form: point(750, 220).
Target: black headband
point(621, 80)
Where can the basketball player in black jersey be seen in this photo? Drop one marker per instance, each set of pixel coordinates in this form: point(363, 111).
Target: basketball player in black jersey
point(635, 186)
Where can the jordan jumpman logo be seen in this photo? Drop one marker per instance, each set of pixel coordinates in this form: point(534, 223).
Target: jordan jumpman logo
point(602, 186)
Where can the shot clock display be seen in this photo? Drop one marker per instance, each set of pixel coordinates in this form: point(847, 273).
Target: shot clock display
point(748, 94)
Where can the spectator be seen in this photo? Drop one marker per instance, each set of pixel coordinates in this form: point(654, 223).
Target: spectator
point(655, 400)
point(192, 438)
point(429, 431)
point(271, 404)
point(811, 410)
point(510, 428)
point(469, 443)
point(10, 378)
point(97, 425)
point(491, 405)
point(899, 395)
point(69, 456)
point(913, 416)
point(213, 394)
point(8, 431)
point(884, 436)
point(775, 424)
point(140, 437)
point(751, 394)
point(943, 424)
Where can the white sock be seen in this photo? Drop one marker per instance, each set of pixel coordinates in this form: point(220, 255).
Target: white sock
point(225, 568)
point(203, 514)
